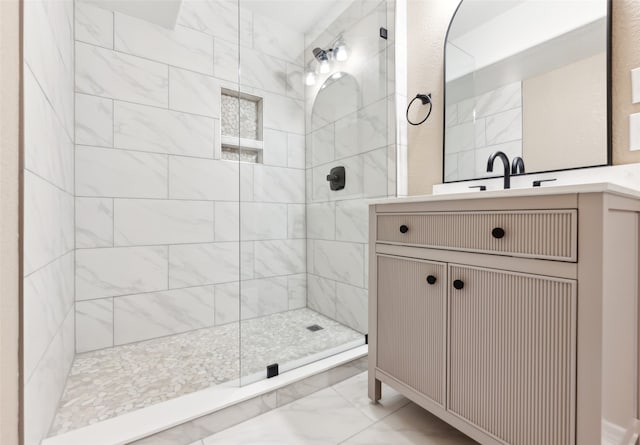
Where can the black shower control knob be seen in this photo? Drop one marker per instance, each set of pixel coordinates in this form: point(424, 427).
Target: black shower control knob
point(404, 229)
point(458, 284)
point(431, 279)
point(498, 233)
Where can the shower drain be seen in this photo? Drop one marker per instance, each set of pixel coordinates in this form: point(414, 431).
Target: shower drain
point(314, 327)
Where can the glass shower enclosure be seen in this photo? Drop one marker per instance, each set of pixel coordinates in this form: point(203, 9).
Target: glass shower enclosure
point(223, 168)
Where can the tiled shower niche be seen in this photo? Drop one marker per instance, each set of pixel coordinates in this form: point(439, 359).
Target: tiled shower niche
point(241, 127)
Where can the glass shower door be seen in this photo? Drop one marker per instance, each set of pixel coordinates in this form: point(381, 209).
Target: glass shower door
point(315, 99)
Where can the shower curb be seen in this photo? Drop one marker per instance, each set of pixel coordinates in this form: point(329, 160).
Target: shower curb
point(205, 426)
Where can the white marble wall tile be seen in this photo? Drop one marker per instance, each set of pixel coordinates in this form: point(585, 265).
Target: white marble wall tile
point(144, 316)
point(296, 150)
point(460, 138)
point(263, 297)
point(496, 101)
point(247, 263)
point(466, 109)
point(310, 250)
point(275, 148)
point(120, 173)
point(372, 126)
point(108, 272)
point(322, 295)
point(263, 221)
point(511, 149)
point(218, 18)
point(320, 188)
point(94, 222)
point(200, 264)
point(48, 150)
point(283, 113)
point(279, 257)
point(352, 304)
point(321, 222)
point(60, 17)
point(297, 286)
point(94, 324)
point(481, 133)
point(107, 73)
point(375, 173)
point(48, 222)
point(354, 184)
point(451, 115)
point(93, 24)
point(347, 136)
point(192, 178)
point(246, 181)
point(260, 70)
point(227, 221)
point(143, 128)
point(145, 222)
point(225, 61)
point(373, 80)
point(227, 306)
point(451, 167)
point(277, 184)
point(194, 93)
point(48, 298)
point(369, 26)
point(49, 57)
point(392, 168)
point(340, 261)
point(504, 127)
point(43, 390)
point(467, 164)
point(296, 221)
point(322, 146)
point(273, 38)
point(94, 121)
point(352, 221)
point(295, 81)
point(181, 47)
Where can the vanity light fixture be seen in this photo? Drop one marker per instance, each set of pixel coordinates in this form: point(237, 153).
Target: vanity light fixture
point(340, 51)
point(324, 67)
point(310, 79)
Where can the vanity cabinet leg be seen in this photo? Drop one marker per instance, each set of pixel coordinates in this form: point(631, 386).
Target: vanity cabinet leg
point(375, 389)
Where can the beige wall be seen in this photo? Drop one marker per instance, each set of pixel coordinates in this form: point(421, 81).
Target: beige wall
point(427, 26)
point(9, 217)
point(561, 125)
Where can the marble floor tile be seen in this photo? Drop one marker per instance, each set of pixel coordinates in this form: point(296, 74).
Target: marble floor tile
point(325, 418)
point(410, 425)
point(322, 418)
point(354, 390)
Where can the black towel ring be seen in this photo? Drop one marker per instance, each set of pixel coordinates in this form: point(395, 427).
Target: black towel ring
point(425, 99)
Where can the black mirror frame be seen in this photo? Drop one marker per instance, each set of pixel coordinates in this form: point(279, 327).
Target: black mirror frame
point(609, 103)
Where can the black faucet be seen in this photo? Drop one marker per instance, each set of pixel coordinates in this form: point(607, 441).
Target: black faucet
point(505, 161)
point(517, 166)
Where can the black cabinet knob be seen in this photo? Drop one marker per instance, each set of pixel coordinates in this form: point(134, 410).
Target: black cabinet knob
point(458, 284)
point(431, 279)
point(404, 229)
point(498, 232)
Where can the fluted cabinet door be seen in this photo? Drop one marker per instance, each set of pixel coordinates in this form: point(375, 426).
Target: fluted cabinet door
point(412, 323)
point(512, 351)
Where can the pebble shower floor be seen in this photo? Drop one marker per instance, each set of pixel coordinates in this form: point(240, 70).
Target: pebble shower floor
point(110, 382)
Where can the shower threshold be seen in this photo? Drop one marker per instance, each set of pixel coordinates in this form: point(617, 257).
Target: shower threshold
point(119, 382)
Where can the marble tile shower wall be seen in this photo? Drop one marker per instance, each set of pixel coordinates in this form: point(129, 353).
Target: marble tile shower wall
point(157, 215)
point(48, 210)
point(355, 128)
point(479, 126)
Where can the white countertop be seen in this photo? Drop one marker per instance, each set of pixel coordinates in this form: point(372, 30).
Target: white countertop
point(512, 193)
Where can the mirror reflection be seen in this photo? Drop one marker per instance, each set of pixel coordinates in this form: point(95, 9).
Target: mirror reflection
point(528, 78)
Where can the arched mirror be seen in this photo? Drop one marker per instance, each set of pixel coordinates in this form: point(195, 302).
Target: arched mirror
point(529, 78)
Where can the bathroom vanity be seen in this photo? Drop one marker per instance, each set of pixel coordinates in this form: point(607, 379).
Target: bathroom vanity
point(512, 315)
